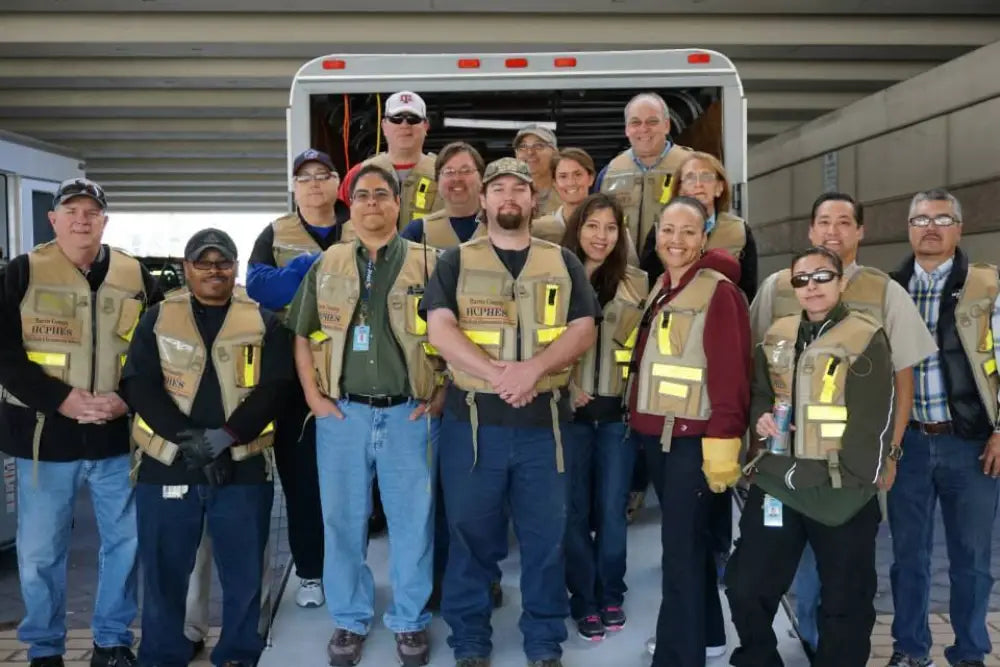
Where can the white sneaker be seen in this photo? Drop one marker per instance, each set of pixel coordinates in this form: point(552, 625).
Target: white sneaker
point(715, 651)
point(310, 593)
point(651, 645)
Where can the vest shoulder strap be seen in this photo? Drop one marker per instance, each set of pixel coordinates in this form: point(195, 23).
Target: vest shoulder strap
point(337, 258)
point(48, 261)
point(125, 271)
point(981, 282)
point(381, 160)
point(729, 233)
point(425, 165)
point(285, 223)
point(854, 332)
point(697, 293)
point(634, 286)
point(621, 162)
point(784, 328)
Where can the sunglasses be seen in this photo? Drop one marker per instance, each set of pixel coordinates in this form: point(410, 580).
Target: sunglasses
point(409, 119)
point(820, 277)
point(221, 265)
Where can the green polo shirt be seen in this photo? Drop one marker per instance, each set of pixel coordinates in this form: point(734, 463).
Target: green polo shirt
point(381, 369)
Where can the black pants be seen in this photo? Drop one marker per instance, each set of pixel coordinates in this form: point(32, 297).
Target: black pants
point(690, 615)
point(763, 566)
point(296, 460)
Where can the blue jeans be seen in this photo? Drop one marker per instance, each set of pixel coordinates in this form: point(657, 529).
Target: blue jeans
point(170, 530)
point(948, 468)
point(44, 523)
point(806, 586)
point(599, 460)
point(349, 452)
point(516, 467)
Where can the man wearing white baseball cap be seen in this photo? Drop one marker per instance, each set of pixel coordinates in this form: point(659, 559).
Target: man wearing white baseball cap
point(405, 128)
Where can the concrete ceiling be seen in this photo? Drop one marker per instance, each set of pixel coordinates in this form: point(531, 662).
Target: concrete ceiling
point(179, 104)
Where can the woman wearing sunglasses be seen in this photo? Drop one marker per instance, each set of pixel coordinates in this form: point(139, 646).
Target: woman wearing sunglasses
point(688, 400)
point(599, 457)
point(822, 405)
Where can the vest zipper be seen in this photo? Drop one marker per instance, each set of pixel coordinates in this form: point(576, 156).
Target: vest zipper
point(94, 341)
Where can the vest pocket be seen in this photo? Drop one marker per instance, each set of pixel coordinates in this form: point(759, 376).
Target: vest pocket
point(321, 347)
point(675, 389)
point(628, 317)
point(824, 428)
point(55, 364)
point(625, 189)
point(415, 325)
point(247, 366)
point(128, 318)
point(56, 303)
point(671, 330)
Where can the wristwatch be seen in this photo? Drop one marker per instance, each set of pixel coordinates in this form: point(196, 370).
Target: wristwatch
point(895, 453)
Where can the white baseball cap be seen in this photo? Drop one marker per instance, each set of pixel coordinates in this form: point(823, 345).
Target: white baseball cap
point(405, 101)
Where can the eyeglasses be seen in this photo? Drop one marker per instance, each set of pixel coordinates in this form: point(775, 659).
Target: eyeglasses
point(704, 177)
point(381, 196)
point(463, 172)
point(532, 148)
point(938, 220)
point(651, 123)
point(820, 277)
point(318, 176)
point(221, 265)
point(407, 118)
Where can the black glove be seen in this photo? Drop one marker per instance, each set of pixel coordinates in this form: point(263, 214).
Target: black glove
point(219, 471)
point(202, 446)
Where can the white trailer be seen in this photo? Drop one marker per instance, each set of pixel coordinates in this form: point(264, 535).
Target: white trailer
point(483, 98)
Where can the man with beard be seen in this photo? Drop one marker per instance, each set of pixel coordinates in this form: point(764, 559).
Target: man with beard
point(510, 314)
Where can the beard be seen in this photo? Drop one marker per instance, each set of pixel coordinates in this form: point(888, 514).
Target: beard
point(509, 219)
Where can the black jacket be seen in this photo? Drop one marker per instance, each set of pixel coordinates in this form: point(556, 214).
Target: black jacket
point(969, 418)
point(62, 439)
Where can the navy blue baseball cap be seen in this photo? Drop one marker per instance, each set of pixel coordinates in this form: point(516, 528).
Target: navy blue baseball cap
point(312, 155)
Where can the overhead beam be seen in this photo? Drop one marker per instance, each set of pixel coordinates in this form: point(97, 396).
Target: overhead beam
point(212, 165)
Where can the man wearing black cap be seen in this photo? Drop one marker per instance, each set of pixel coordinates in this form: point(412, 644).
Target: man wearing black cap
point(204, 375)
point(69, 309)
point(282, 255)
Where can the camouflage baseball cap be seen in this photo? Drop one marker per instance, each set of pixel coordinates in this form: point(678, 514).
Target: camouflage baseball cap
point(507, 166)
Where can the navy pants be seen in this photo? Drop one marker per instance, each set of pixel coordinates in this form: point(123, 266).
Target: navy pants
point(170, 529)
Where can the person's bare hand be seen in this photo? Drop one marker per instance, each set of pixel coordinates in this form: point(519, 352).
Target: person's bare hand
point(888, 477)
point(516, 382)
point(766, 427)
point(581, 398)
point(321, 406)
point(81, 404)
point(434, 407)
point(991, 456)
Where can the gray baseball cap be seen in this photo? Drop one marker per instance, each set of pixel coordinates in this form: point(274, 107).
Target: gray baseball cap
point(210, 239)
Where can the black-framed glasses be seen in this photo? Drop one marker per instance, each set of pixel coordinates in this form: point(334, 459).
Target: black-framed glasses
point(943, 220)
point(407, 118)
point(221, 265)
point(532, 148)
point(820, 277)
point(319, 176)
point(380, 195)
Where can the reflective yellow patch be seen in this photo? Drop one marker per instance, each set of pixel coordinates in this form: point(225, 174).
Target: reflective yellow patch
point(673, 389)
point(48, 358)
point(832, 429)
point(550, 334)
point(483, 337)
point(826, 413)
point(677, 372)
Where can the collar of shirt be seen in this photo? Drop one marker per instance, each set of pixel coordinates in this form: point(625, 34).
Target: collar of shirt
point(381, 253)
point(710, 224)
point(643, 168)
point(937, 275)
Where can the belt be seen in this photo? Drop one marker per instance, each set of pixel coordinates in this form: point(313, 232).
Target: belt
point(932, 428)
point(381, 401)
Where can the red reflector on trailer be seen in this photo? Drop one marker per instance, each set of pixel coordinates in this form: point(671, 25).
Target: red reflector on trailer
point(334, 64)
point(516, 62)
point(699, 58)
point(468, 63)
point(565, 62)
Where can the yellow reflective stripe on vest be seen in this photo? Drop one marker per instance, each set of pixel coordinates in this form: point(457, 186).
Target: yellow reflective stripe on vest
point(623, 356)
point(550, 334)
point(267, 429)
point(420, 196)
point(673, 389)
point(829, 381)
point(48, 358)
point(990, 366)
point(430, 350)
point(419, 323)
point(987, 343)
point(665, 192)
point(482, 337)
point(826, 413)
point(318, 336)
point(630, 341)
point(677, 372)
point(663, 336)
point(832, 429)
point(249, 366)
point(551, 299)
point(141, 423)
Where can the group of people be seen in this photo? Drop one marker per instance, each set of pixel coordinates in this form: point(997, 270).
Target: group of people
point(502, 344)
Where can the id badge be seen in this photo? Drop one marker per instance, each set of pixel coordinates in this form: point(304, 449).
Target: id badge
point(362, 338)
point(174, 492)
point(772, 512)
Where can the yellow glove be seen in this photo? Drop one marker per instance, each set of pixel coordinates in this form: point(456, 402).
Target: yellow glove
point(721, 462)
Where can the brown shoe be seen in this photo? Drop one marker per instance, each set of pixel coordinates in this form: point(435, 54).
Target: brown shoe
point(344, 649)
point(412, 648)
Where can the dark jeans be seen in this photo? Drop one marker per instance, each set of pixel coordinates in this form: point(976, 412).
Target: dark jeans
point(948, 468)
point(599, 460)
point(296, 461)
point(690, 615)
point(763, 566)
point(169, 533)
point(516, 468)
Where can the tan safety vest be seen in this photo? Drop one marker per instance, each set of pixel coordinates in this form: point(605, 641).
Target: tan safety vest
point(419, 191)
point(642, 195)
point(820, 381)
point(496, 309)
point(551, 227)
point(235, 356)
point(75, 336)
point(291, 239)
point(973, 319)
point(550, 204)
point(730, 234)
point(338, 294)
point(438, 232)
point(865, 293)
point(617, 339)
point(673, 365)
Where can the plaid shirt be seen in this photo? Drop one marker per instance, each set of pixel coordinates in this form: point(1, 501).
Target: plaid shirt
point(930, 400)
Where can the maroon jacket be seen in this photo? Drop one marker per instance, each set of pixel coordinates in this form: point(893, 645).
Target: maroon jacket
point(728, 351)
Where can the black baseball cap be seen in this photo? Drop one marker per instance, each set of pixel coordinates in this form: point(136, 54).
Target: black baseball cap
point(210, 239)
point(312, 155)
point(80, 187)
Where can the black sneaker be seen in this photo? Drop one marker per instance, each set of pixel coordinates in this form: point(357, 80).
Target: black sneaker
point(970, 663)
point(114, 656)
point(900, 659)
point(47, 661)
point(196, 648)
point(613, 618)
point(472, 662)
point(590, 628)
point(548, 662)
